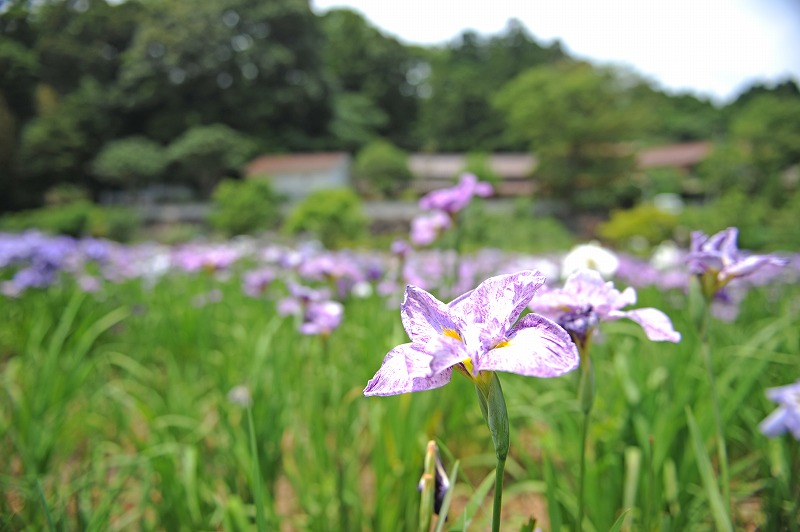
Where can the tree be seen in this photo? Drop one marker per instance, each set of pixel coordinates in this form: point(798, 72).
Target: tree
point(575, 119)
point(762, 145)
point(130, 162)
point(253, 66)
point(369, 72)
point(204, 155)
point(456, 112)
point(381, 169)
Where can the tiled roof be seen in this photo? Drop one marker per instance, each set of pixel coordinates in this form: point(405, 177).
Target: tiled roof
point(448, 165)
point(299, 162)
point(675, 155)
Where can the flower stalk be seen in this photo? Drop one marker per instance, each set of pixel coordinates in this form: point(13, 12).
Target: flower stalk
point(586, 401)
point(493, 407)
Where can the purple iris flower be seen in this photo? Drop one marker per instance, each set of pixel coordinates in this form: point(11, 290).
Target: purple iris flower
point(587, 299)
point(322, 318)
point(453, 199)
point(475, 333)
point(717, 260)
point(786, 418)
point(256, 282)
point(427, 227)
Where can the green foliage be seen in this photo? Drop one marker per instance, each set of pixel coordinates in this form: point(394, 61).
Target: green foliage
point(245, 207)
point(65, 194)
point(130, 162)
point(71, 219)
point(254, 66)
point(457, 84)
point(162, 447)
point(574, 117)
point(333, 216)
point(77, 219)
point(114, 223)
point(381, 170)
point(762, 227)
point(517, 229)
point(478, 164)
point(203, 155)
point(371, 92)
point(644, 223)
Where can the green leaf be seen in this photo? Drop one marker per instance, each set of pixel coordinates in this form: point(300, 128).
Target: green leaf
point(707, 474)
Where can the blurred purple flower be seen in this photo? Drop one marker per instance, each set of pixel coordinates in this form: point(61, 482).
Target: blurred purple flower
point(427, 227)
point(256, 282)
point(786, 418)
point(453, 199)
point(475, 333)
point(587, 299)
point(322, 318)
point(716, 260)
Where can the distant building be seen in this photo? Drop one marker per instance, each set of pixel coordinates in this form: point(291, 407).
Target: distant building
point(685, 156)
point(297, 175)
point(434, 171)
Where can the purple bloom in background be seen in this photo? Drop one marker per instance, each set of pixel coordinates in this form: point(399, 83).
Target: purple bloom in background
point(322, 318)
point(453, 199)
point(587, 299)
point(427, 227)
point(786, 418)
point(256, 282)
point(717, 260)
point(477, 332)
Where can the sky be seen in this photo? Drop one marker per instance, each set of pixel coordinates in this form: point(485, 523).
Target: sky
point(712, 48)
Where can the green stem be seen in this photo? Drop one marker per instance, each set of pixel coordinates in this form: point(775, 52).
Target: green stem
point(722, 451)
point(498, 493)
point(586, 400)
point(582, 477)
point(493, 408)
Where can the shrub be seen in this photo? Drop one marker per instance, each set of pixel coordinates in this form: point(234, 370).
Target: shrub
point(333, 216)
point(71, 220)
point(642, 222)
point(242, 207)
point(119, 224)
point(381, 169)
point(77, 219)
point(516, 229)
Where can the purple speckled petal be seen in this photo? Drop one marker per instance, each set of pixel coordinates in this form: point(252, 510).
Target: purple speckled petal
point(446, 352)
point(536, 347)
point(657, 325)
point(499, 300)
point(405, 369)
point(424, 317)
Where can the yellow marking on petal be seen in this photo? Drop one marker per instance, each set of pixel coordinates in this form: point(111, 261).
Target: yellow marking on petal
point(468, 364)
point(452, 334)
point(504, 343)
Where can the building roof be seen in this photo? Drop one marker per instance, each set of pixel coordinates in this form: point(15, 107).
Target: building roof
point(448, 165)
point(295, 163)
point(674, 155)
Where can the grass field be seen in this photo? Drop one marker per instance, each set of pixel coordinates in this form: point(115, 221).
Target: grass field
point(117, 410)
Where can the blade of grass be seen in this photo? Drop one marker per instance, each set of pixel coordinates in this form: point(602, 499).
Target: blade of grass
point(707, 474)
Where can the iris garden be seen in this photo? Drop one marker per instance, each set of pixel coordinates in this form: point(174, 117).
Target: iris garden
point(229, 385)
